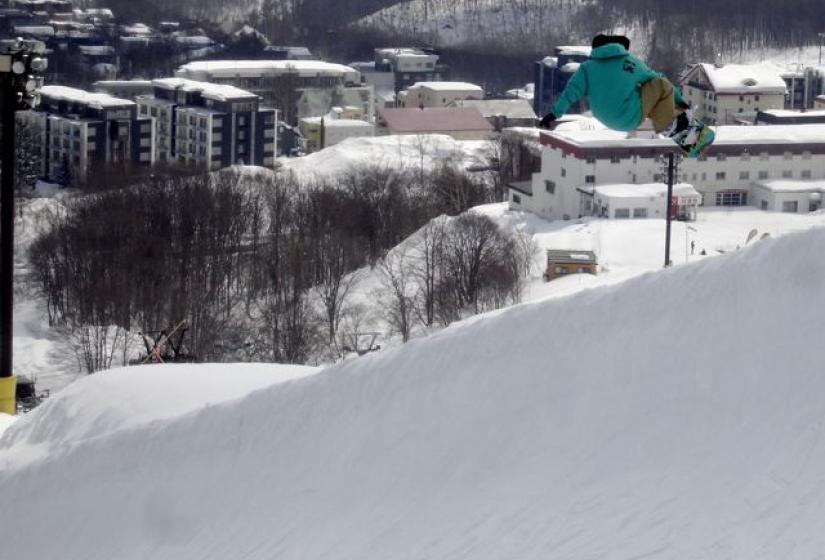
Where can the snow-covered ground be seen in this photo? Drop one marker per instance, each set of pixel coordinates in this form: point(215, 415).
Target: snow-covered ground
point(394, 152)
point(675, 415)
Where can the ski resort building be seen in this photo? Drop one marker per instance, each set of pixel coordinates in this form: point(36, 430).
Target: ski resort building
point(733, 93)
point(297, 88)
point(438, 94)
point(209, 125)
point(738, 170)
point(76, 130)
point(407, 65)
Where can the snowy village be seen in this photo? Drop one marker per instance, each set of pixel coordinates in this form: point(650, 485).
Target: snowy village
point(487, 279)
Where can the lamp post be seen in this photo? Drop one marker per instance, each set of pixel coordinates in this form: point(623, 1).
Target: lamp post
point(20, 61)
point(821, 37)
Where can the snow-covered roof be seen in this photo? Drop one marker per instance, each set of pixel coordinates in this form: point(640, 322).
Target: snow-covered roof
point(233, 68)
point(195, 40)
point(510, 108)
point(550, 61)
point(97, 50)
point(39, 30)
point(570, 67)
point(793, 186)
point(338, 123)
point(95, 100)
point(645, 190)
point(725, 135)
point(789, 113)
point(137, 29)
point(745, 78)
point(447, 86)
point(218, 92)
point(574, 50)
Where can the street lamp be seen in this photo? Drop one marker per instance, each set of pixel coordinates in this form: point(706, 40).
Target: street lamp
point(821, 37)
point(20, 63)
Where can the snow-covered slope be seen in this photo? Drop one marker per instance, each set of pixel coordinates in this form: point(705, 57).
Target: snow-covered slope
point(676, 415)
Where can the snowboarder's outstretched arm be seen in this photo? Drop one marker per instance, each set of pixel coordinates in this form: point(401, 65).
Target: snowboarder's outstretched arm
point(576, 89)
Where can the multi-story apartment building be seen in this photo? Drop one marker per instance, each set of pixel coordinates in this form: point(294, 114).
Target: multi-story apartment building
point(551, 74)
point(409, 65)
point(77, 132)
point(297, 88)
point(438, 94)
point(742, 159)
point(733, 93)
point(209, 125)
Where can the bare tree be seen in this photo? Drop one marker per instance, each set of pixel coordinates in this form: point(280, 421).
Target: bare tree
point(395, 297)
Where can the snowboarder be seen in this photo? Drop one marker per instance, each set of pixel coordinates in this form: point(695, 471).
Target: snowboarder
point(623, 92)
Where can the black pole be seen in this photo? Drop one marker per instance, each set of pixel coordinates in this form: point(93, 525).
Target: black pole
point(670, 166)
point(9, 101)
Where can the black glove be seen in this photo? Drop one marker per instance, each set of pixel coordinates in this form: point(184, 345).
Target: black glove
point(548, 118)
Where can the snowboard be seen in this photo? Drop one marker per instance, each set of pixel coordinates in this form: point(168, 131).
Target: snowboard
point(695, 139)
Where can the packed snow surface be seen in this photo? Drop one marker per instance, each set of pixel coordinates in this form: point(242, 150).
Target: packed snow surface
point(675, 415)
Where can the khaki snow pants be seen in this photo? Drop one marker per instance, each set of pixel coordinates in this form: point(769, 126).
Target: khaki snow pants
point(658, 104)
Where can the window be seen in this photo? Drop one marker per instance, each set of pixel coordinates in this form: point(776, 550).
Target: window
point(746, 156)
point(787, 174)
point(563, 172)
point(516, 198)
point(790, 206)
point(721, 157)
point(764, 174)
point(550, 187)
point(764, 205)
point(640, 212)
point(764, 156)
point(720, 175)
point(590, 160)
point(622, 213)
point(806, 155)
point(744, 175)
point(589, 179)
point(787, 155)
point(805, 174)
point(731, 198)
point(615, 159)
point(560, 270)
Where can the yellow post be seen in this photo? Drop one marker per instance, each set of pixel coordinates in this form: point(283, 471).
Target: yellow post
point(8, 388)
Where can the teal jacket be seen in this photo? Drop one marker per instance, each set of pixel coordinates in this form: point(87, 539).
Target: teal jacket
point(611, 80)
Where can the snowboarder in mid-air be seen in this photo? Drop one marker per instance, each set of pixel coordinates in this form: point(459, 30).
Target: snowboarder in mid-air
point(623, 92)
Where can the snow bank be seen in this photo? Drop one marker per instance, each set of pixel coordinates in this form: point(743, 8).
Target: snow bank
point(677, 415)
point(395, 152)
point(100, 405)
point(6, 421)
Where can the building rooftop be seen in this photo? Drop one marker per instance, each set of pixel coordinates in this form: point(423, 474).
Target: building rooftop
point(745, 78)
point(510, 108)
point(448, 86)
point(236, 68)
point(725, 135)
point(645, 190)
point(95, 100)
point(218, 92)
point(571, 256)
point(793, 186)
point(434, 119)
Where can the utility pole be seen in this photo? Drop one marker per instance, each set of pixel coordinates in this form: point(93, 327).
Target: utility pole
point(19, 62)
point(671, 172)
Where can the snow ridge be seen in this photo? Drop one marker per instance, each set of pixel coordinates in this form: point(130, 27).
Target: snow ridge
point(675, 415)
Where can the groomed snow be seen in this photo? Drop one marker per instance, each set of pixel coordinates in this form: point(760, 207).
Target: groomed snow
point(100, 405)
point(677, 415)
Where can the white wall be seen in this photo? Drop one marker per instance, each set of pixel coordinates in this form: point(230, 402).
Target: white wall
point(738, 172)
